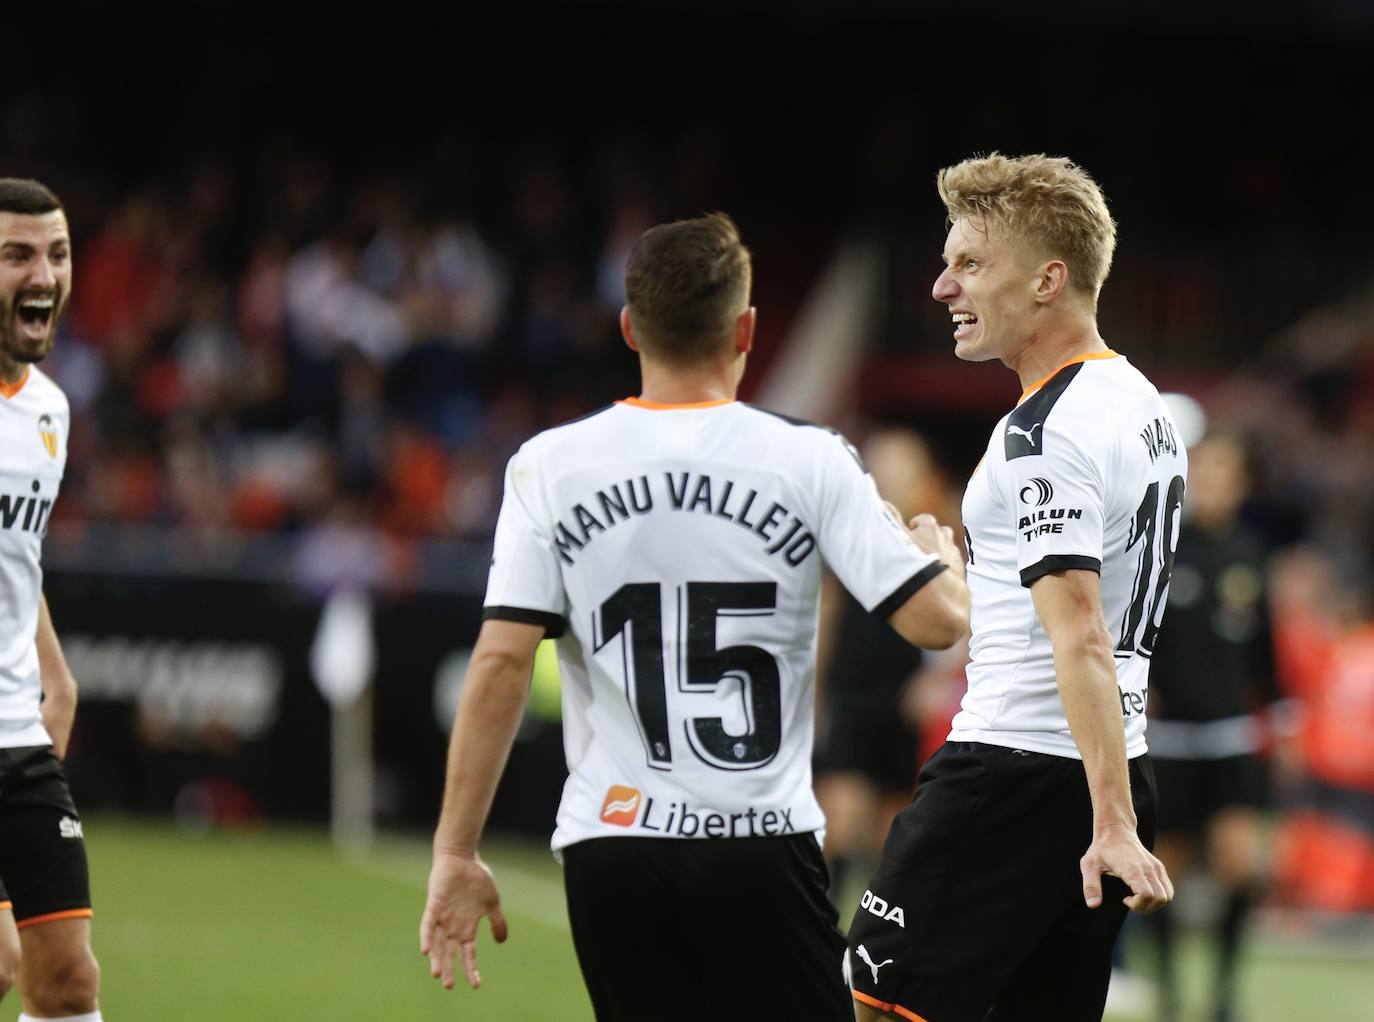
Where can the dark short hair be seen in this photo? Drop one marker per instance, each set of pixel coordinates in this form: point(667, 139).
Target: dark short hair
point(26, 196)
point(686, 283)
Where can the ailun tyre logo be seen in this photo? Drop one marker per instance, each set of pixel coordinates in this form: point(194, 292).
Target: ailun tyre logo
point(1038, 492)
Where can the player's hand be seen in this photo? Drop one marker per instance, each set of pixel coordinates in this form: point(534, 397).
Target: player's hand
point(1119, 853)
point(461, 892)
point(934, 538)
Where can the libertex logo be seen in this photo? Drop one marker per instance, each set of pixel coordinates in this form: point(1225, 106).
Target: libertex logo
point(621, 807)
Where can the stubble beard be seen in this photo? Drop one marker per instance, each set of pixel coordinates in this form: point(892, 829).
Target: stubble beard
point(15, 346)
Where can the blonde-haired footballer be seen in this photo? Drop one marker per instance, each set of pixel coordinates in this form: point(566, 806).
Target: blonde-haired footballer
point(1004, 883)
point(45, 901)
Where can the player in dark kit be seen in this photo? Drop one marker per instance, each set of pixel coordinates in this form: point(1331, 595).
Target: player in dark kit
point(868, 749)
point(1212, 688)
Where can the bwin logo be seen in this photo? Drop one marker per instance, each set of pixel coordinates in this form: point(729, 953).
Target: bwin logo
point(1029, 434)
point(25, 513)
point(1042, 490)
point(879, 908)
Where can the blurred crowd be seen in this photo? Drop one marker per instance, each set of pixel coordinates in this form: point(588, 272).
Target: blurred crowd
point(324, 352)
point(348, 358)
point(1305, 405)
point(313, 345)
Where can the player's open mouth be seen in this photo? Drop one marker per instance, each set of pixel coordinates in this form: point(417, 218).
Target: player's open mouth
point(962, 321)
point(34, 316)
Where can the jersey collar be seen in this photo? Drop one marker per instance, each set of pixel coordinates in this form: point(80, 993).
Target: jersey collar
point(1090, 356)
point(639, 402)
point(11, 389)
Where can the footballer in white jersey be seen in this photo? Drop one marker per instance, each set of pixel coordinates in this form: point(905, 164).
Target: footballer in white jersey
point(1086, 472)
point(681, 548)
point(1005, 881)
point(45, 901)
point(673, 543)
point(34, 424)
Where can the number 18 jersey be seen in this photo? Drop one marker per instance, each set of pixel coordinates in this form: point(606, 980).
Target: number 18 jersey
point(675, 551)
point(1087, 472)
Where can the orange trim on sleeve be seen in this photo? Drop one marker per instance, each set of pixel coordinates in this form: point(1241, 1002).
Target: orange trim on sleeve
point(52, 917)
point(1080, 358)
point(10, 389)
point(6, 905)
point(639, 402)
point(873, 1002)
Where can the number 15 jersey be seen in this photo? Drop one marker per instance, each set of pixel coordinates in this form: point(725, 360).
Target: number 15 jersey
point(1087, 472)
point(675, 551)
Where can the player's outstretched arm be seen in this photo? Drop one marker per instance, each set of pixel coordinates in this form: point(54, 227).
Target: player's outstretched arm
point(1069, 605)
point(59, 687)
point(936, 615)
point(461, 888)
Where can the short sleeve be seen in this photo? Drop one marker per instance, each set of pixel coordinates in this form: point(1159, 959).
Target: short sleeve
point(865, 545)
point(525, 583)
point(1055, 494)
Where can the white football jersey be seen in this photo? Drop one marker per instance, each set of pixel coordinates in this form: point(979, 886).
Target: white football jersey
point(677, 552)
point(34, 418)
point(1086, 472)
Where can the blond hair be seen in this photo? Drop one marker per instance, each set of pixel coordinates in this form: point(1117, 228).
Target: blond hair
point(1049, 201)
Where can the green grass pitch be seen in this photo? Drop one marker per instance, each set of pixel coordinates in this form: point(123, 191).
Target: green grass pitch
point(274, 925)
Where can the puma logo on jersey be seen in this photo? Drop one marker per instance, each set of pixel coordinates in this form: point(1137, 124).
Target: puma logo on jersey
point(879, 908)
point(70, 829)
point(1028, 434)
point(863, 953)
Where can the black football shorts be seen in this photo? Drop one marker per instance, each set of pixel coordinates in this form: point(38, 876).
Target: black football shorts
point(976, 910)
point(1192, 791)
point(868, 736)
point(690, 930)
point(43, 874)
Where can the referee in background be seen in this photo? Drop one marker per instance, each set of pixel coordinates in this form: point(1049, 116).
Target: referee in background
point(1212, 675)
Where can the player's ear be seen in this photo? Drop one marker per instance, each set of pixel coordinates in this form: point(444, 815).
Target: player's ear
point(626, 331)
point(1054, 280)
point(744, 330)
